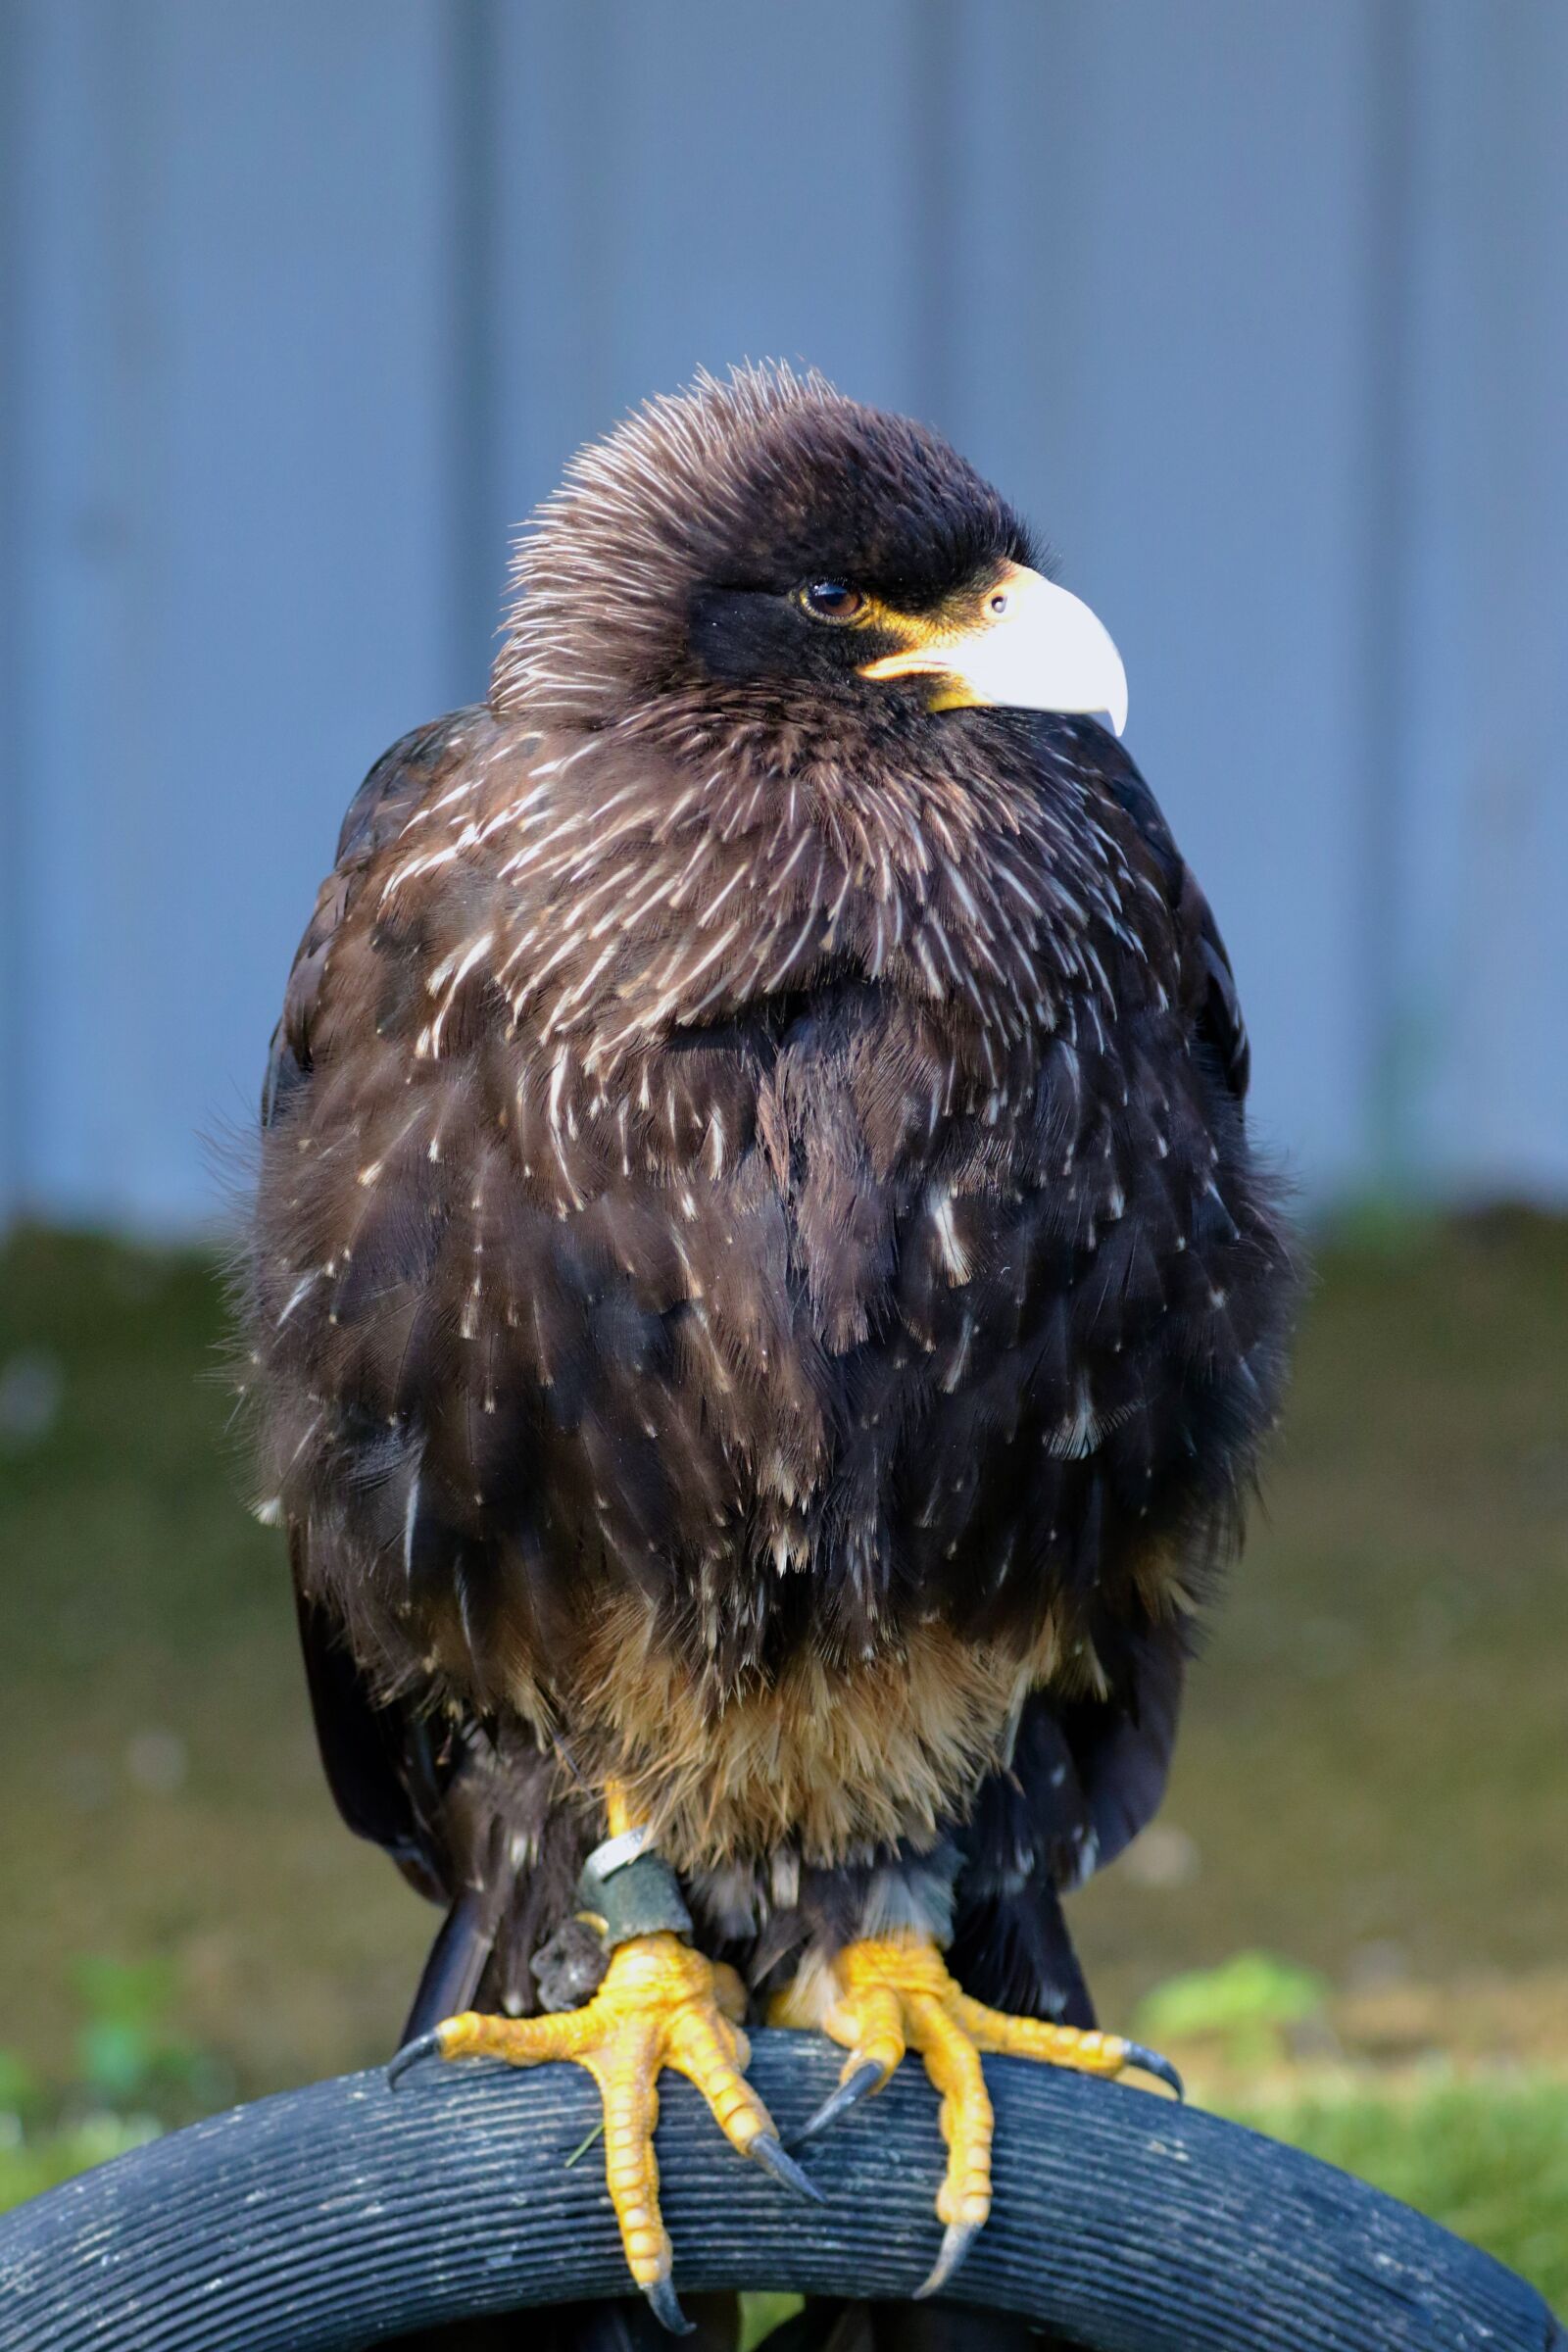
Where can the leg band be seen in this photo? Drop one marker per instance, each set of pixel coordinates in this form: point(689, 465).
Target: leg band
point(634, 1894)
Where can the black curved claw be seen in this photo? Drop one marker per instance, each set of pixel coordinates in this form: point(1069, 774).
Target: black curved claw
point(783, 2168)
point(855, 2087)
point(1150, 2062)
point(665, 2309)
point(427, 2045)
point(955, 2244)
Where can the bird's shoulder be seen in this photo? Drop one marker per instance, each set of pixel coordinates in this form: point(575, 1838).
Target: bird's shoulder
point(403, 790)
point(1206, 990)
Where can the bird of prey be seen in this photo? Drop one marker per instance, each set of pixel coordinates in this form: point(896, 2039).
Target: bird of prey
point(762, 1307)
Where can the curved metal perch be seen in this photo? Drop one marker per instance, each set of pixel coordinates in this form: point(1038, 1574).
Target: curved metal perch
point(334, 2217)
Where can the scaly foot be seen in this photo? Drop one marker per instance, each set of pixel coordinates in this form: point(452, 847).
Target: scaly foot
point(660, 2004)
point(895, 1993)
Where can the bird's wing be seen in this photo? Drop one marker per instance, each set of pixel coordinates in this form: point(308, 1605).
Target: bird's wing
point(1209, 982)
point(379, 811)
point(1083, 1777)
point(402, 1776)
point(384, 1763)
point(470, 1807)
point(1086, 1773)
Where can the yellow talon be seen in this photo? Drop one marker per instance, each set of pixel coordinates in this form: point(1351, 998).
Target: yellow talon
point(892, 1993)
point(660, 2004)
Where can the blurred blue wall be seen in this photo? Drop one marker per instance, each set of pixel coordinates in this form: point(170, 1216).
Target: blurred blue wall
point(1261, 312)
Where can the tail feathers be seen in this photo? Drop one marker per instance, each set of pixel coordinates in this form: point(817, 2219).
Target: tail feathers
point(1012, 1949)
point(628, 2326)
point(623, 2325)
point(824, 2327)
point(457, 1961)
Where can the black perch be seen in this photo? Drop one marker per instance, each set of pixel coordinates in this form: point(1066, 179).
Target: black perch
point(342, 2215)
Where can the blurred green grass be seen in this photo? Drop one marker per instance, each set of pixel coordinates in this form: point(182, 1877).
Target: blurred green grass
point(1369, 1779)
point(1488, 2159)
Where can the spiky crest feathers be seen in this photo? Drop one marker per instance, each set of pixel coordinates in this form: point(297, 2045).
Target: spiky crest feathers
point(746, 481)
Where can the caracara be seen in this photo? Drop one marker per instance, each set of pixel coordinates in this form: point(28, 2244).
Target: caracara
point(763, 1310)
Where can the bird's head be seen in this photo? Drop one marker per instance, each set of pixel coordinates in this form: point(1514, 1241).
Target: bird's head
point(767, 550)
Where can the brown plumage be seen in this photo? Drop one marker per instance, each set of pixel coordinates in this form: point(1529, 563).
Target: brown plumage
point(758, 1285)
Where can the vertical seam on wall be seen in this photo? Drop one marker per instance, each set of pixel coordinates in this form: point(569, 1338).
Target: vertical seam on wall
point(1386, 1075)
point(17, 766)
point(933, 178)
point(473, 79)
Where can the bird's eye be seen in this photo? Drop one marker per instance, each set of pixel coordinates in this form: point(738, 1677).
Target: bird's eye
point(833, 600)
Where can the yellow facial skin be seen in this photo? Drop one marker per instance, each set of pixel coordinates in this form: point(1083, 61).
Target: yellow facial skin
point(1018, 642)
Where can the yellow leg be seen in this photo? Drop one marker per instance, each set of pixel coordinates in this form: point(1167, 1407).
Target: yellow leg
point(893, 1993)
point(618, 1814)
point(660, 2004)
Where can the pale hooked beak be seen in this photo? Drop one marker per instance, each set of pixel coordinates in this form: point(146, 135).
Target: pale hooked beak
point(1030, 646)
